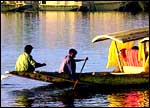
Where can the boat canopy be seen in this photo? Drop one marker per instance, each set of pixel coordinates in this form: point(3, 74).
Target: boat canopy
point(125, 36)
point(144, 40)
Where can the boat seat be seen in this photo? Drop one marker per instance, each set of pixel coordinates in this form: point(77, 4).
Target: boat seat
point(130, 61)
point(130, 57)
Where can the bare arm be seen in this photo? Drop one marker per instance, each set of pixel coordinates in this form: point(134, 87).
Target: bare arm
point(78, 60)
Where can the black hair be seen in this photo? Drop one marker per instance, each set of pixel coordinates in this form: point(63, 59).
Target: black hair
point(73, 51)
point(28, 48)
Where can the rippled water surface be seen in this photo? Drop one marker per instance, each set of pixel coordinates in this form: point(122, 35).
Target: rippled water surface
point(52, 34)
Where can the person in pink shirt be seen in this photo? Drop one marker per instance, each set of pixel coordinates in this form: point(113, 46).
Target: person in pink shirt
point(68, 65)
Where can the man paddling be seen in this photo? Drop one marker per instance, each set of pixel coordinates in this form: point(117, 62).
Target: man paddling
point(25, 62)
point(69, 64)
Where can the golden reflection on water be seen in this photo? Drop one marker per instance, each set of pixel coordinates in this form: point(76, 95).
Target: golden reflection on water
point(56, 25)
point(67, 28)
point(70, 26)
point(130, 99)
point(125, 99)
point(23, 101)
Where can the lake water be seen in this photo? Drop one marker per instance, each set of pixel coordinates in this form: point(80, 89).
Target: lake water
point(52, 34)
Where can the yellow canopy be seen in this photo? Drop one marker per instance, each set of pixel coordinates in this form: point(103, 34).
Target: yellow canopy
point(124, 39)
point(125, 36)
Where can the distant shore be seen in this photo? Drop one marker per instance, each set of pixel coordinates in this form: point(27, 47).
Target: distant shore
point(109, 6)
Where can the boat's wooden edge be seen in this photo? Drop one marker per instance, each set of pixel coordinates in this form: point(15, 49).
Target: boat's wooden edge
point(94, 72)
point(57, 75)
point(52, 77)
point(106, 79)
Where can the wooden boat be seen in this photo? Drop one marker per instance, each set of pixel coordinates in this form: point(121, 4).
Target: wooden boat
point(98, 79)
point(108, 5)
point(128, 77)
point(122, 37)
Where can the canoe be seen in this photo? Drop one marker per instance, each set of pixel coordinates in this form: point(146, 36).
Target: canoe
point(96, 79)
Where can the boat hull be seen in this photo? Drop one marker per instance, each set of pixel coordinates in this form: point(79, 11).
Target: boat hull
point(108, 5)
point(98, 79)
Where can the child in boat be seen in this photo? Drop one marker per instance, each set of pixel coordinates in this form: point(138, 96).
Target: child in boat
point(68, 65)
point(25, 61)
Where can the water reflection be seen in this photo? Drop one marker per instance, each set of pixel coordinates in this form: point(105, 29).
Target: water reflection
point(23, 101)
point(64, 29)
point(56, 97)
point(129, 99)
point(52, 34)
point(67, 98)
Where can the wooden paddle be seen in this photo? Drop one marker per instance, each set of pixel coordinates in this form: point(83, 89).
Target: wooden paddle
point(79, 74)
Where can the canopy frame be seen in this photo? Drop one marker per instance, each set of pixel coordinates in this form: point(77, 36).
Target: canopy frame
point(124, 36)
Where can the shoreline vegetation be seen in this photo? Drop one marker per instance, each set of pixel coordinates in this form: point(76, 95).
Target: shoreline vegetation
point(126, 6)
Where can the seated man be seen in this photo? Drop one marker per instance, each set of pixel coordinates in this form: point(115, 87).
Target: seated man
point(25, 61)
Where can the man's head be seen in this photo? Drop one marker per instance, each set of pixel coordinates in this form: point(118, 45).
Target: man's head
point(28, 49)
point(72, 52)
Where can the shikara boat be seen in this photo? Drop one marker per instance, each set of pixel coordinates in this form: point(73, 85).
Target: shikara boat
point(127, 59)
point(96, 79)
point(127, 77)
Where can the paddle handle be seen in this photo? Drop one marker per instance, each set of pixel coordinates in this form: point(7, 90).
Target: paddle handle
point(75, 84)
point(83, 66)
point(79, 74)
